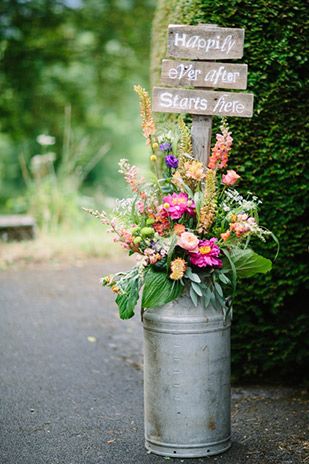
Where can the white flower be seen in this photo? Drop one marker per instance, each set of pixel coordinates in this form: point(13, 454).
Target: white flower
point(44, 139)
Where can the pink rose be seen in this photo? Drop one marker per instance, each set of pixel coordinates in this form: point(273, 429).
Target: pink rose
point(230, 178)
point(188, 241)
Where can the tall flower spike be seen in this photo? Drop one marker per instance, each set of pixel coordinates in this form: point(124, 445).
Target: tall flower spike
point(185, 142)
point(130, 175)
point(220, 152)
point(147, 123)
point(184, 145)
point(208, 209)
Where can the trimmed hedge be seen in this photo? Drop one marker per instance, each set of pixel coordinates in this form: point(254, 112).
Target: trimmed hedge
point(269, 330)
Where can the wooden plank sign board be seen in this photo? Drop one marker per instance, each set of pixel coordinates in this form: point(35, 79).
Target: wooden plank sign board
point(204, 74)
point(204, 43)
point(207, 102)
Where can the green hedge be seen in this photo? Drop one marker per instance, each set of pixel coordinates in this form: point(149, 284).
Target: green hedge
point(269, 330)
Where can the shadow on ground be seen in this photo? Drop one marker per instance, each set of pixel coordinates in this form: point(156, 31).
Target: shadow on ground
point(72, 385)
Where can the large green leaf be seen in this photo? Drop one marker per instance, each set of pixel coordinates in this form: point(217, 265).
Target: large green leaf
point(127, 301)
point(159, 289)
point(248, 263)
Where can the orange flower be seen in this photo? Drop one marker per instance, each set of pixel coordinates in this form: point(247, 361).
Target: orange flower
point(148, 125)
point(194, 170)
point(179, 229)
point(116, 289)
point(225, 235)
point(178, 267)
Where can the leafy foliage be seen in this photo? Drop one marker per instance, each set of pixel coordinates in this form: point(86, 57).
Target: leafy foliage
point(270, 322)
point(128, 300)
point(159, 289)
point(58, 54)
point(248, 263)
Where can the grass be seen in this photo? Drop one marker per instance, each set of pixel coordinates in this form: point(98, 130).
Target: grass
point(64, 246)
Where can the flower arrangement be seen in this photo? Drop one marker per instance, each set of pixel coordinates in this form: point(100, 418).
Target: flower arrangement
point(188, 226)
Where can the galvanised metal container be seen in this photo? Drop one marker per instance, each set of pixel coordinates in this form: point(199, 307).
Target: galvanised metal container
point(186, 380)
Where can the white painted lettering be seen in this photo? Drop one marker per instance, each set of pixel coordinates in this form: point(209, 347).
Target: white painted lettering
point(184, 103)
point(166, 99)
point(172, 74)
point(192, 42)
point(203, 105)
point(219, 72)
point(210, 76)
point(239, 107)
point(228, 44)
point(201, 44)
point(220, 104)
point(180, 40)
point(210, 44)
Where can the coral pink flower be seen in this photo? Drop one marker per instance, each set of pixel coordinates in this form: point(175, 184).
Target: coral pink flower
point(206, 254)
point(188, 241)
point(220, 152)
point(230, 178)
point(179, 229)
point(225, 235)
point(140, 205)
point(161, 226)
point(177, 204)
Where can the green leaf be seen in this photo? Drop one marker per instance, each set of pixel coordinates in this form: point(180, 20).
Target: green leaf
point(193, 296)
point(207, 297)
point(171, 250)
point(248, 263)
point(233, 269)
point(219, 289)
point(159, 289)
point(215, 302)
point(225, 280)
point(127, 301)
point(197, 289)
point(192, 276)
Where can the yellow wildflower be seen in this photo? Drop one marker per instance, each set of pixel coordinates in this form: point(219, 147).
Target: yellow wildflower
point(178, 267)
point(116, 289)
point(208, 210)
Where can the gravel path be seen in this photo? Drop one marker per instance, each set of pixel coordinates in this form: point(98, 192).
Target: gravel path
point(71, 382)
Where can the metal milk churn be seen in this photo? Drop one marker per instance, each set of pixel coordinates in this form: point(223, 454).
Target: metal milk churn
point(186, 380)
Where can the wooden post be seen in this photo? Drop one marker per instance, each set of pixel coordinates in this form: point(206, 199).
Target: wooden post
point(201, 137)
point(201, 131)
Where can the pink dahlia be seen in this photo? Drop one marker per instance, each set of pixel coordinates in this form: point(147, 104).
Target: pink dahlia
point(177, 204)
point(206, 254)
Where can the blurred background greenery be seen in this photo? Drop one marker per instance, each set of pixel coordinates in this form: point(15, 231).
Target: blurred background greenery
point(67, 71)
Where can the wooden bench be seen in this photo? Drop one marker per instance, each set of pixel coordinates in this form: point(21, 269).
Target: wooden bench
point(16, 227)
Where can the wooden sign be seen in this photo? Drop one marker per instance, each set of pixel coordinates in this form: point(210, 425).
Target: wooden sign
point(204, 42)
point(205, 102)
point(204, 74)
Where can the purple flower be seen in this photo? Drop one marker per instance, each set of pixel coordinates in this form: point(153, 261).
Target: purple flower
point(171, 161)
point(166, 146)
